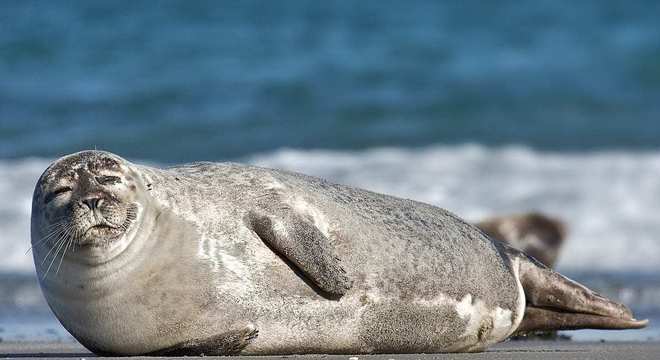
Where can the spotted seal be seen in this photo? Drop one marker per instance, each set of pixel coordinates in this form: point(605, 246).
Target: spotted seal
point(223, 259)
point(535, 234)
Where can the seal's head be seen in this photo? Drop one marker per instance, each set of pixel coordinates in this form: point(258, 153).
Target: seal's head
point(88, 199)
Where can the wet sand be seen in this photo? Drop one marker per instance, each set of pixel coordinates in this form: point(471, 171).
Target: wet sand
point(511, 350)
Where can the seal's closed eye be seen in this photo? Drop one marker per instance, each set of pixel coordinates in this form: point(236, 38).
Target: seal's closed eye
point(57, 192)
point(108, 180)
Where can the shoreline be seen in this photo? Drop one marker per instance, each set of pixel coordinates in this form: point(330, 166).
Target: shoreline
point(564, 350)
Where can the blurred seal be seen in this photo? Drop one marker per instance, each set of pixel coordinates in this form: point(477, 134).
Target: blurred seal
point(222, 259)
point(535, 234)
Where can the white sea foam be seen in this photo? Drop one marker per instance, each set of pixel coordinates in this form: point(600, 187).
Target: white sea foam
point(610, 200)
point(17, 180)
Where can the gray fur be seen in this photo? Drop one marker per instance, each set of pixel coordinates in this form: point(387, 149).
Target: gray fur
point(313, 266)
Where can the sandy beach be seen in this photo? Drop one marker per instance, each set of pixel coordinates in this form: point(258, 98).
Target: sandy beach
point(510, 350)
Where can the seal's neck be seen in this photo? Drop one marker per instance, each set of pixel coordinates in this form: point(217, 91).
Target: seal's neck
point(103, 264)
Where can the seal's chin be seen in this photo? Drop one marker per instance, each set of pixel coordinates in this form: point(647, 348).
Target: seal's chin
point(100, 234)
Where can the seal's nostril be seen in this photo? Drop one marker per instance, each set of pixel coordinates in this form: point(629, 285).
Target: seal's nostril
point(92, 202)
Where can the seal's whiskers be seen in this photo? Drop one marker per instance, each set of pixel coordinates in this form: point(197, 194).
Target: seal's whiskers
point(59, 247)
point(68, 243)
point(55, 244)
point(61, 225)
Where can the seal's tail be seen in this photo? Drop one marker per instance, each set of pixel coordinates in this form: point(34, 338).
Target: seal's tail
point(555, 302)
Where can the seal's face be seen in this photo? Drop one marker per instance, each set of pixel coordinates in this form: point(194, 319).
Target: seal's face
point(87, 199)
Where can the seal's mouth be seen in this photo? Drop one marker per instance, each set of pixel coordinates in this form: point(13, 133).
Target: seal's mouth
point(101, 229)
point(99, 234)
point(104, 231)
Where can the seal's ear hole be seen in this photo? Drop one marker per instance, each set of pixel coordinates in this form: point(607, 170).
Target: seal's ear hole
point(57, 192)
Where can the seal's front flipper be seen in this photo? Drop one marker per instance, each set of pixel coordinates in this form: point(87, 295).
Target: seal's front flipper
point(555, 302)
point(229, 343)
point(303, 244)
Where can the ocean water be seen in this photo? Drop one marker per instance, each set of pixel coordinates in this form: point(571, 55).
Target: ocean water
point(228, 80)
point(480, 108)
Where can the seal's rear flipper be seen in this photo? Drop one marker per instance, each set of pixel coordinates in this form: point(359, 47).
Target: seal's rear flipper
point(540, 319)
point(555, 302)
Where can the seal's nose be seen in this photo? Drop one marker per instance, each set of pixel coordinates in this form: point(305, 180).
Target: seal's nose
point(92, 202)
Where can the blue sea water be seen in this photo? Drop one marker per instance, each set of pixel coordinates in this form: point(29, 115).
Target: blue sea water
point(176, 80)
point(483, 108)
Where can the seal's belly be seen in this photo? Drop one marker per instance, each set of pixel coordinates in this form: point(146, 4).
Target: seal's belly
point(359, 324)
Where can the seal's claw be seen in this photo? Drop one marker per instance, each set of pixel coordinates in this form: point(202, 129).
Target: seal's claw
point(252, 335)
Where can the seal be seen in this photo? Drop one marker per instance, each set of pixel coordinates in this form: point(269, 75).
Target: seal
point(224, 259)
point(537, 235)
